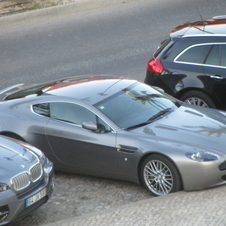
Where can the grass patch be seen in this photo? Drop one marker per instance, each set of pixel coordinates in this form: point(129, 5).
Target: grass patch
point(37, 4)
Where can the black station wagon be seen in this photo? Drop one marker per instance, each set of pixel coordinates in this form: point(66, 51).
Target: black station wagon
point(191, 64)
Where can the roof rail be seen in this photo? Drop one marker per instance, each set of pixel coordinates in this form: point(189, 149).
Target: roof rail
point(220, 17)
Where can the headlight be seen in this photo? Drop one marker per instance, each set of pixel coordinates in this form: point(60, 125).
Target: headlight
point(48, 167)
point(3, 187)
point(38, 152)
point(202, 156)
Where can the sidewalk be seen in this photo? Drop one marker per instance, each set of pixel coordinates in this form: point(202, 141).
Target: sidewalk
point(68, 8)
point(200, 208)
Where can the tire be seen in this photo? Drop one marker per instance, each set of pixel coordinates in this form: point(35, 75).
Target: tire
point(160, 175)
point(198, 98)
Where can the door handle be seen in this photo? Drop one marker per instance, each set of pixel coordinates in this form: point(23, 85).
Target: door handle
point(56, 131)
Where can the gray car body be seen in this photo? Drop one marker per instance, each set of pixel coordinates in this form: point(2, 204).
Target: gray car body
point(119, 154)
point(18, 158)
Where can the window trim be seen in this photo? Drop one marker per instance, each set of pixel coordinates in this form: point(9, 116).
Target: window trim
point(32, 110)
point(57, 101)
point(197, 64)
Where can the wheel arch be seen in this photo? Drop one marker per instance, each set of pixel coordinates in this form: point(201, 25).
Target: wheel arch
point(156, 153)
point(182, 92)
point(12, 135)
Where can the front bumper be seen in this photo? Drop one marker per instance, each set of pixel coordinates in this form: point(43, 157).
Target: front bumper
point(203, 175)
point(13, 206)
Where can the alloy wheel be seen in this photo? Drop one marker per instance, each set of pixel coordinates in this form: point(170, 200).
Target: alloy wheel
point(158, 177)
point(197, 101)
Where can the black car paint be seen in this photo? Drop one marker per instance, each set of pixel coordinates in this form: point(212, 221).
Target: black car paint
point(179, 78)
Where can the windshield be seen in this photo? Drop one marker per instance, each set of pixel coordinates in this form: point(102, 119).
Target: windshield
point(136, 105)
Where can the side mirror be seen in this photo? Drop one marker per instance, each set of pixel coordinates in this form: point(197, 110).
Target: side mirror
point(89, 125)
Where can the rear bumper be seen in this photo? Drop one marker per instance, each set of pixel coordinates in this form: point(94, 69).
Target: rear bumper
point(151, 78)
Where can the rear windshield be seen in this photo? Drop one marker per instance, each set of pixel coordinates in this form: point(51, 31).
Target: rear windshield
point(168, 42)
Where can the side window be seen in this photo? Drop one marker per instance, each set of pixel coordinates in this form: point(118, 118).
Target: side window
point(71, 113)
point(223, 55)
point(213, 57)
point(195, 54)
point(102, 125)
point(41, 109)
point(75, 114)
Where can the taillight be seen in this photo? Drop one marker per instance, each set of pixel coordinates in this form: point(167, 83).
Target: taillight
point(155, 65)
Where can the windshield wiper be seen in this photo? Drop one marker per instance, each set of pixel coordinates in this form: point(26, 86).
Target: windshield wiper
point(153, 118)
point(159, 114)
point(139, 125)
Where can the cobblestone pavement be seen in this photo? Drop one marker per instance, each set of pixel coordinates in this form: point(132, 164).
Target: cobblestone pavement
point(198, 208)
point(77, 195)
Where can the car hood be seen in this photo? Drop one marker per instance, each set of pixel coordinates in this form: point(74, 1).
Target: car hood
point(198, 127)
point(14, 160)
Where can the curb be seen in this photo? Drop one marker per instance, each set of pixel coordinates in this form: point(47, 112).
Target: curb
point(68, 8)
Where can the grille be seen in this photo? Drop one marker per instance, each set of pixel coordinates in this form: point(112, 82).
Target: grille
point(36, 172)
point(21, 181)
point(24, 179)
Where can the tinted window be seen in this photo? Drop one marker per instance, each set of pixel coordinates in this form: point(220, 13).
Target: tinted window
point(70, 113)
point(165, 43)
point(195, 54)
point(223, 55)
point(214, 56)
point(135, 104)
point(42, 109)
point(75, 114)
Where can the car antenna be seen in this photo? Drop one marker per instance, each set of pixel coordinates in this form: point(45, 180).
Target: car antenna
point(204, 22)
point(199, 13)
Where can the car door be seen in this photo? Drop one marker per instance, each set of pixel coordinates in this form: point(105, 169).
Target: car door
point(215, 71)
point(82, 150)
point(185, 71)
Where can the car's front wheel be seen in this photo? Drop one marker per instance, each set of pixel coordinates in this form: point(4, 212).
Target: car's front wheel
point(160, 175)
point(198, 98)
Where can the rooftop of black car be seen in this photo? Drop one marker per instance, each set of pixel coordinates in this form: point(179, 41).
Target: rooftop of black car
point(209, 27)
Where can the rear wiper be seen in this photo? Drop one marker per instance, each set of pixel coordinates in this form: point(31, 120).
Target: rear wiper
point(153, 118)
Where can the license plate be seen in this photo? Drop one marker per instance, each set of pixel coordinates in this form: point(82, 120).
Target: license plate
point(33, 199)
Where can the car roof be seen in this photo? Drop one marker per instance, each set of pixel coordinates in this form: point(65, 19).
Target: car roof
point(86, 88)
point(210, 27)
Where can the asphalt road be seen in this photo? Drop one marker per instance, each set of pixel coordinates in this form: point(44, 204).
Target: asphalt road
point(118, 40)
point(112, 40)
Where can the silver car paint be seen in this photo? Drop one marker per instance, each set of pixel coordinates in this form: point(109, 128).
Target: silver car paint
point(16, 159)
point(118, 154)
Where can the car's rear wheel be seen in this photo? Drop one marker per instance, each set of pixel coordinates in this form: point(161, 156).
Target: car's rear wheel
point(198, 98)
point(160, 175)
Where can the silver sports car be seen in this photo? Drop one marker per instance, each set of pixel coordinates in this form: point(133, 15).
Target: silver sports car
point(26, 179)
point(119, 128)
